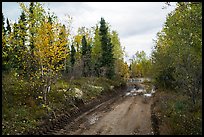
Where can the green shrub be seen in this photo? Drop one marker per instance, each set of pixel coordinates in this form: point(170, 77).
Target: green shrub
point(178, 112)
point(23, 107)
point(17, 120)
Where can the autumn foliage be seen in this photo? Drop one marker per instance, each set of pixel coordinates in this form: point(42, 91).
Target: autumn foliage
point(39, 54)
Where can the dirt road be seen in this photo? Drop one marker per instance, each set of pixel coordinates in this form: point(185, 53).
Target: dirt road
point(127, 114)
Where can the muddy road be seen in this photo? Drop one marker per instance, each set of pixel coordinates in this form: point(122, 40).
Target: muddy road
point(126, 114)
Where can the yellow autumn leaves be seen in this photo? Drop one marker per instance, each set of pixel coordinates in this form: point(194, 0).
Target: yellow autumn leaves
point(49, 46)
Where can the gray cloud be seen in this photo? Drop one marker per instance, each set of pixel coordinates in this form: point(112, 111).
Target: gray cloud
point(136, 22)
point(72, 8)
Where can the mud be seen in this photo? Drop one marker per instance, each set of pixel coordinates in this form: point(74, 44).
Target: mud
point(122, 115)
point(124, 112)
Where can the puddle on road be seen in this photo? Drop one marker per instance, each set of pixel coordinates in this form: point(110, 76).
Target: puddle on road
point(135, 92)
point(127, 94)
point(148, 95)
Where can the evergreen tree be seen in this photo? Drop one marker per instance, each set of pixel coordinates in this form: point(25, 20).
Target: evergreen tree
point(31, 36)
point(15, 47)
point(89, 62)
point(84, 49)
point(23, 29)
point(107, 60)
point(5, 55)
point(86, 57)
point(3, 23)
point(72, 56)
point(31, 25)
point(20, 33)
point(8, 27)
point(84, 45)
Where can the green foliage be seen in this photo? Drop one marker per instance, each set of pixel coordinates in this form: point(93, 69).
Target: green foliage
point(8, 27)
point(3, 27)
point(117, 49)
point(72, 55)
point(14, 88)
point(107, 60)
point(63, 37)
point(177, 66)
point(178, 50)
point(176, 111)
point(86, 57)
point(140, 65)
point(17, 120)
point(5, 48)
point(96, 51)
point(22, 25)
point(121, 68)
point(35, 52)
point(20, 110)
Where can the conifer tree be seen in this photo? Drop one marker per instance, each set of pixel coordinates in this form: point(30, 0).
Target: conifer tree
point(5, 54)
point(107, 60)
point(22, 24)
point(3, 23)
point(8, 27)
point(86, 57)
point(72, 56)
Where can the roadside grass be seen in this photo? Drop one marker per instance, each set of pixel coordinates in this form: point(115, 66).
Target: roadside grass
point(22, 104)
point(176, 113)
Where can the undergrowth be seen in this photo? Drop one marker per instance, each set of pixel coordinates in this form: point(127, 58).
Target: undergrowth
point(22, 104)
point(177, 112)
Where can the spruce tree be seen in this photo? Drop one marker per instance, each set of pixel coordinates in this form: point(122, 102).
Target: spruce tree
point(3, 23)
point(89, 61)
point(86, 57)
point(72, 56)
point(84, 45)
point(84, 49)
point(107, 60)
point(5, 51)
point(15, 46)
point(32, 33)
point(31, 25)
point(8, 27)
point(22, 23)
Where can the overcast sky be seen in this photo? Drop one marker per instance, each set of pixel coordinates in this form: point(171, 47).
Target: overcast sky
point(136, 22)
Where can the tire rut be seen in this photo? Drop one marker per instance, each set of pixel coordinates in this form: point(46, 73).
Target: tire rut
point(51, 127)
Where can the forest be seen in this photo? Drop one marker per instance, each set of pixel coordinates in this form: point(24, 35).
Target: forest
point(47, 71)
point(177, 68)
